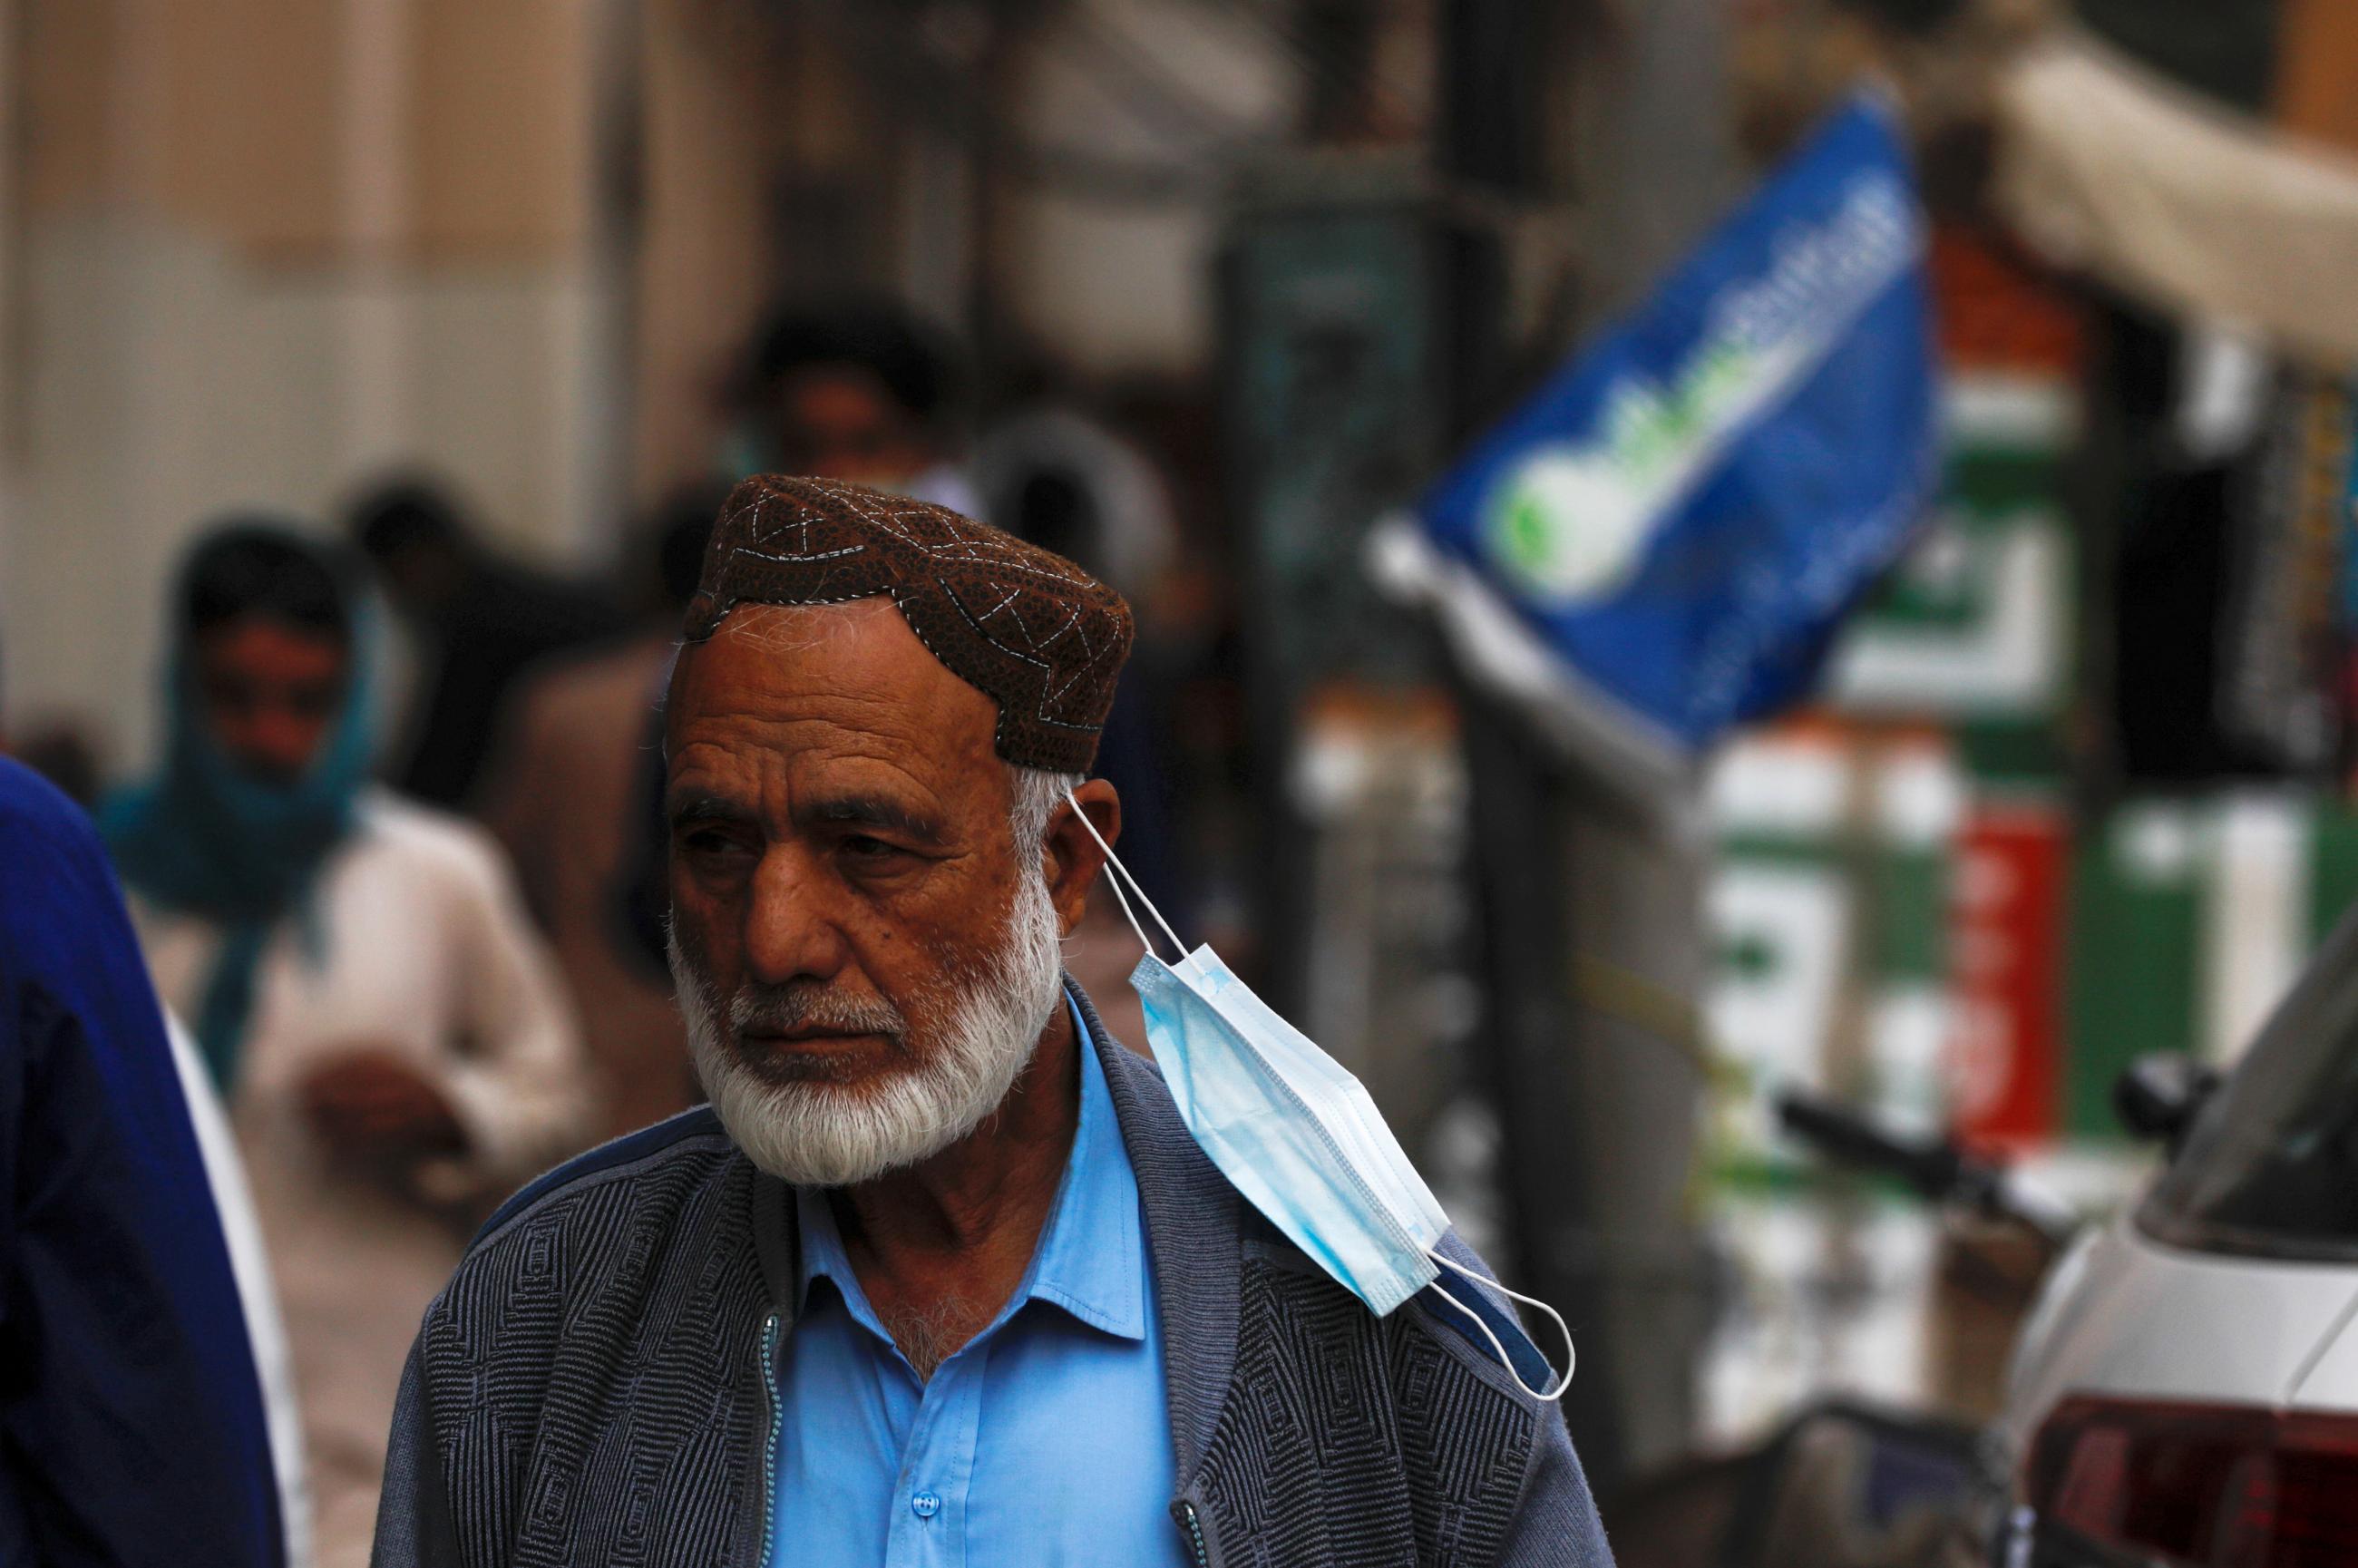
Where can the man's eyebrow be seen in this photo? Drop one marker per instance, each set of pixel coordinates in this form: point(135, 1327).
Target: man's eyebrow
point(695, 808)
point(871, 811)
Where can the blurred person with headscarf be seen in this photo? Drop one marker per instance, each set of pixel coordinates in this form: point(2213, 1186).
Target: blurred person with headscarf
point(482, 621)
point(393, 1043)
point(575, 799)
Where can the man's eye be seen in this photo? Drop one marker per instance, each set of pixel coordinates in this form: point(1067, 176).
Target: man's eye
point(707, 841)
point(868, 848)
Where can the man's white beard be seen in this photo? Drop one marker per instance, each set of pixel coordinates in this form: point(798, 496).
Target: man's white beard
point(815, 1132)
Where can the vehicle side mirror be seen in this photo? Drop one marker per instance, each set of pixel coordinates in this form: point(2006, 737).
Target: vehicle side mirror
point(2159, 1096)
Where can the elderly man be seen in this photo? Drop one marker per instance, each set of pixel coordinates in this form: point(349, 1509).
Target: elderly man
point(940, 1276)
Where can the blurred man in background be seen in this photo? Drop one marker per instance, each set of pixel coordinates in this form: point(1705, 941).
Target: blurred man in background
point(570, 801)
point(131, 1422)
point(1056, 477)
point(480, 621)
point(363, 983)
point(860, 392)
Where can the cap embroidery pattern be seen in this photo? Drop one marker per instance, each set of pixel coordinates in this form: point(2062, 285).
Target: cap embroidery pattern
point(1025, 626)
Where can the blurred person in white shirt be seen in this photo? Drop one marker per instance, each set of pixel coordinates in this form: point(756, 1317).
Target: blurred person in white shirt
point(392, 1040)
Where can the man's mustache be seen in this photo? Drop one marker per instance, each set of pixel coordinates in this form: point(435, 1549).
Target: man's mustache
point(773, 1010)
point(799, 1004)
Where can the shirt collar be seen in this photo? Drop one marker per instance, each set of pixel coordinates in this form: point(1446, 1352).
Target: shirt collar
point(1090, 1261)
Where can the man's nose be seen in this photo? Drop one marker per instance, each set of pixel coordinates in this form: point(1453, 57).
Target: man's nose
point(790, 924)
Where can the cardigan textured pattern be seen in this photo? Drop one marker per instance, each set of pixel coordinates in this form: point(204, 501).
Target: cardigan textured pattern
point(1023, 626)
point(594, 1385)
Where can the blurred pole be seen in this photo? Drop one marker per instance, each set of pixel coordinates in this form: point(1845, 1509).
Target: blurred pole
point(1340, 36)
point(1657, 165)
point(975, 296)
point(1591, 925)
point(1486, 108)
point(607, 375)
point(960, 263)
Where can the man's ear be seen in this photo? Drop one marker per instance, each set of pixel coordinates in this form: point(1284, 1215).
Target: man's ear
point(1070, 856)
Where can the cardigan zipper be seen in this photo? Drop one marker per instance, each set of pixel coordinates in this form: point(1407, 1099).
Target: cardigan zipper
point(1183, 1513)
point(770, 1448)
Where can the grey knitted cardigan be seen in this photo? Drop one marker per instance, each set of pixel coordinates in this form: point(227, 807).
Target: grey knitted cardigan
point(594, 1387)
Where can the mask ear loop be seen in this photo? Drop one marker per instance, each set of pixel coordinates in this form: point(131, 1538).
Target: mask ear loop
point(1115, 884)
point(1571, 1356)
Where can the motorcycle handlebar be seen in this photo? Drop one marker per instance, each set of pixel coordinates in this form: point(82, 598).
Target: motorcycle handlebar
point(1935, 1168)
point(1939, 1169)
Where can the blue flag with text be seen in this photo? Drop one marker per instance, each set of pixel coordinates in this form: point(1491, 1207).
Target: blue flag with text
point(1684, 514)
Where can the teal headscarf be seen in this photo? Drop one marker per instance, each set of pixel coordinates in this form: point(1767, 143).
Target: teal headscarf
point(203, 837)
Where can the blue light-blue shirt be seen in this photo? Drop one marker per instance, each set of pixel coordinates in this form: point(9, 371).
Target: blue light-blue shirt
point(1045, 1440)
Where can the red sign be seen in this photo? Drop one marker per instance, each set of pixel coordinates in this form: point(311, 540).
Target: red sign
point(2006, 1041)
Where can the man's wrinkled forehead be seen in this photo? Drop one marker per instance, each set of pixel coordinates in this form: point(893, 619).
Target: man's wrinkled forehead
point(853, 667)
point(785, 631)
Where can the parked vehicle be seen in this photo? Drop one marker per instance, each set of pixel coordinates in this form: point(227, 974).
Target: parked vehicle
point(2186, 1392)
point(1846, 1484)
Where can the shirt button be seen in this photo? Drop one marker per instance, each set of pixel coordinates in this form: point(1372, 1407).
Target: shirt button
point(925, 1505)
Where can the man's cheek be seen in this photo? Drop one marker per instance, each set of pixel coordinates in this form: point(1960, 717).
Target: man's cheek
point(694, 920)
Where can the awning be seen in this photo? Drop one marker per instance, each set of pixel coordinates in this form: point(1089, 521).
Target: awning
point(2106, 168)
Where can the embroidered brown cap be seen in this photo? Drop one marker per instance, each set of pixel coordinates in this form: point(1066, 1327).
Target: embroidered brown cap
point(1026, 627)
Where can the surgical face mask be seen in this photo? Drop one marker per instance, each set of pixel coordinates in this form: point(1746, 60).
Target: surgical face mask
point(1296, 1133)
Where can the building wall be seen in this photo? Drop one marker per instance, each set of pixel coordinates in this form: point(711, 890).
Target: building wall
point(261, 248)
point(709, 138)
point(1122, 284)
